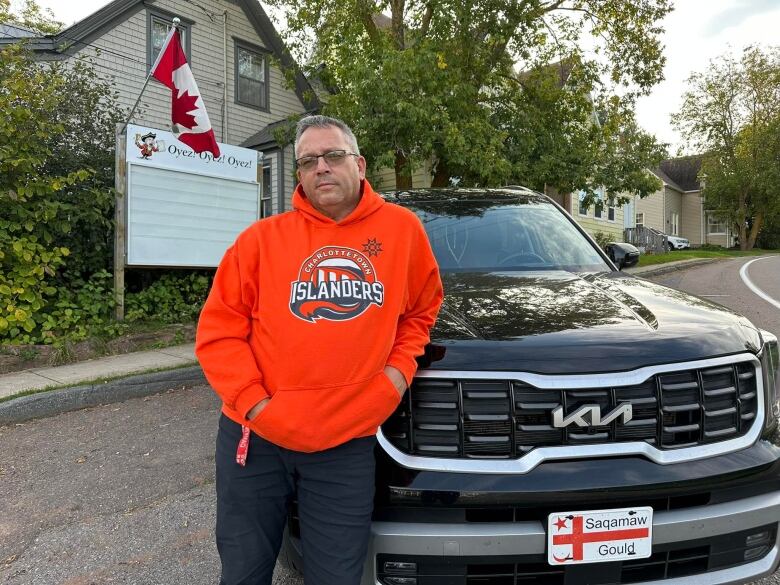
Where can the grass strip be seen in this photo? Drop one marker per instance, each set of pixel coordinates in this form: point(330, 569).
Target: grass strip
point(676, 255)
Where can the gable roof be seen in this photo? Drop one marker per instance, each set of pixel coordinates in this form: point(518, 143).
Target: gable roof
point(265, 137)
point(681, 173)
point(83, 32)
point(667, 179)
point(15, 30)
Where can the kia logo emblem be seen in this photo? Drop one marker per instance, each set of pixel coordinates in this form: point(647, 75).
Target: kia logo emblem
point(589, 415)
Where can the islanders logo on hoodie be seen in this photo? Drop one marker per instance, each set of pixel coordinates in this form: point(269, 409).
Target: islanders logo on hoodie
point(335, 283)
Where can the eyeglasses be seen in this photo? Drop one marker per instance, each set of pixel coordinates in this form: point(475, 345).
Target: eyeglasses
point(332, 158)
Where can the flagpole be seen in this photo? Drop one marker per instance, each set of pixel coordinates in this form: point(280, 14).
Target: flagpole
point(176, 22)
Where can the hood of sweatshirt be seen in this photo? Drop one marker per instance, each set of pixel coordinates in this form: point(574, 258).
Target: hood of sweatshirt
point(368, 204)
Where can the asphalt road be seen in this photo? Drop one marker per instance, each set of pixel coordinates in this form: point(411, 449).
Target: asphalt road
point(124, 493)
point(721, 283)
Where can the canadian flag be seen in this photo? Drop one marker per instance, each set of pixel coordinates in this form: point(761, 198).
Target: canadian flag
point(190, 122)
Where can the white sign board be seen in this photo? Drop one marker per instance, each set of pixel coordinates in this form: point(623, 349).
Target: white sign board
point(160, 149)
point(184, 210)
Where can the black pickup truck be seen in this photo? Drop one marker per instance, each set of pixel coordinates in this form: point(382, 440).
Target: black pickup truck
point(571, 424)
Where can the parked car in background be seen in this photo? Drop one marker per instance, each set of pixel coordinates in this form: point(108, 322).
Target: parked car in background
point(622, 254)
point(570, 424)
point(672, 242)
point(677, 243)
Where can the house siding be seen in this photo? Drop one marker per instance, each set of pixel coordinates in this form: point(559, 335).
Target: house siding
point(673, 202)
point(652, 207)
point(720, 240)
point(592, 224)
point(384, 178)
point(692, 218)
point(271, 160)
point(124, 61)
point(289, 176)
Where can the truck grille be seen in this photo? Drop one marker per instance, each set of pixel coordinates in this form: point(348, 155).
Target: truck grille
point(503, 419)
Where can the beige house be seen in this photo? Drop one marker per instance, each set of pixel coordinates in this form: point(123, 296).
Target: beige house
point(677, 209)
point(233, 50)
point(599, 217)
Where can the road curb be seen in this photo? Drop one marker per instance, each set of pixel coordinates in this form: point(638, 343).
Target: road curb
point(673, 267)
point(52, 402)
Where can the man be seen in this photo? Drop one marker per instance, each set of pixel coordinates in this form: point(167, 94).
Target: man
point(309, 336)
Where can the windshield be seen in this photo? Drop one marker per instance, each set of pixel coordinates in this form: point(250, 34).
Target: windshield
point(489, 236)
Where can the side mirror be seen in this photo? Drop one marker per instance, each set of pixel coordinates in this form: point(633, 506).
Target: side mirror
point(622, 254)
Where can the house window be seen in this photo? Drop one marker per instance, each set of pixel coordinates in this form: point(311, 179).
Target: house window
point(640, 220)
point(601, 202)
point(265, 197)
point(716, 226)
point(675, 224)
point(609, 202)
point(251, 75)
point(583, 207)
point(158, 27)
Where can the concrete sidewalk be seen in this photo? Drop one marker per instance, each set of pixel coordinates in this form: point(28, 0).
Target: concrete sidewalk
point(106, 368)
point(42, 392)
point(119, 377)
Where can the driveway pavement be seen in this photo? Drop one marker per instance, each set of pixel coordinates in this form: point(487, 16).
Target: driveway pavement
point(121, 493)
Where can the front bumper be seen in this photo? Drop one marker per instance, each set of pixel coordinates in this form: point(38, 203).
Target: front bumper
point(504, 542)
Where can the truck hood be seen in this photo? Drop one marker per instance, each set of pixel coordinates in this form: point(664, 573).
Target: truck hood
point(558, 322)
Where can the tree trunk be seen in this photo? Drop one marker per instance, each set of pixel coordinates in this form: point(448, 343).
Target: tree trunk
point(397, 23)
point(441, 177)
point(403, 178)
point(757, 223)
point(741, 225)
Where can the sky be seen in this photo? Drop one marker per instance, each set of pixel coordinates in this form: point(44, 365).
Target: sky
point(696, 32)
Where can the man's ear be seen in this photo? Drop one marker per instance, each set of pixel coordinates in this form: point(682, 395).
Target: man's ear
point(362, 166)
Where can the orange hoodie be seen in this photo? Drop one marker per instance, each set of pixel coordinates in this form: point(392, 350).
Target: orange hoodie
point(308, 311)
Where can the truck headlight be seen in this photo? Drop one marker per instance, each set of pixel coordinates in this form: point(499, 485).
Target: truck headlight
point(770, 364)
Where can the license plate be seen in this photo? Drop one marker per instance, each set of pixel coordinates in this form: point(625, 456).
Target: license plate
point(599, 536)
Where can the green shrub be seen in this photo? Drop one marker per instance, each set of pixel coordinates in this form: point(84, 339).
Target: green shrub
point(56, 198)
point(603, 238)
point(171, 299)
point(82, 311)
point(32, 216)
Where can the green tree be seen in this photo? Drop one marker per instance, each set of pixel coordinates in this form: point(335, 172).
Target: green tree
point(30, 16)
point(438, 81)
point(31, 216)
point(731, 112)
point(87, 112)
point(56, 184)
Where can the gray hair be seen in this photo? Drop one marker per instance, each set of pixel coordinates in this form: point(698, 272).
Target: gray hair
point(325, 122)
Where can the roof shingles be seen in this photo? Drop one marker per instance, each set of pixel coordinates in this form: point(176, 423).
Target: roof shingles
point(681, 173)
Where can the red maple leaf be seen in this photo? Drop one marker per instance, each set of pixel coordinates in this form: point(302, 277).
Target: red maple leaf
point(181, 107)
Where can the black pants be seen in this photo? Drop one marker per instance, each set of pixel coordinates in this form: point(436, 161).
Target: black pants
point(335, 491)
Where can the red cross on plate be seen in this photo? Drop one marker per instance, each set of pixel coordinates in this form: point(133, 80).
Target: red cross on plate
point(578, 538)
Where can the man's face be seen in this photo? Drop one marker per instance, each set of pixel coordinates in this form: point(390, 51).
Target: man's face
point(332, 188)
